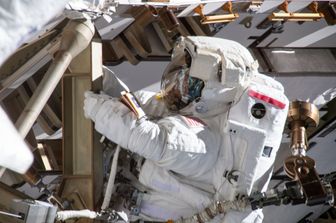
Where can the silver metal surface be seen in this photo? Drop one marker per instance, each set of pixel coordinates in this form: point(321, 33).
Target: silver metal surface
point(34, 211)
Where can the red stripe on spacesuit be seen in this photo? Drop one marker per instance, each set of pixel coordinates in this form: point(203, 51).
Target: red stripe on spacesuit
point(267, 99)
point(193, 121)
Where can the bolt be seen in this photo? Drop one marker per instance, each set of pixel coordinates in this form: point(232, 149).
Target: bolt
point(299, 161)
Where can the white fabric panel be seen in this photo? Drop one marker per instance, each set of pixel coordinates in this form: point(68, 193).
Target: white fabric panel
point(271, 124)
point(205, 65)
point(15, 154)
point(170, 192)
point(249, 159)
point(20, 20)
point(112, 85)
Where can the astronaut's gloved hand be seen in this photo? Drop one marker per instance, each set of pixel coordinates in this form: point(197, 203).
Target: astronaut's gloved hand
point(112, 118)
point(93, 102)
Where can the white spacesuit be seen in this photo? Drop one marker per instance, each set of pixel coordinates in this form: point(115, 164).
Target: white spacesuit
point(215, 134)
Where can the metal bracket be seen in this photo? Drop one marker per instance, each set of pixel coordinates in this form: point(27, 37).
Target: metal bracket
point(225, 18)
point(296, 17)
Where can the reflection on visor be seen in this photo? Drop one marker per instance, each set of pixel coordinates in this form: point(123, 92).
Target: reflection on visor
point(178, 89)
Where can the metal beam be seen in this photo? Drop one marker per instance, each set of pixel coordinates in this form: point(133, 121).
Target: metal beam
point(30, 58)
point(75, 38)
point(82, 152)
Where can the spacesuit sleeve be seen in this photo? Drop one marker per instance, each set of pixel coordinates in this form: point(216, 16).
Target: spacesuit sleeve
point(149, 139)
point(150, 104)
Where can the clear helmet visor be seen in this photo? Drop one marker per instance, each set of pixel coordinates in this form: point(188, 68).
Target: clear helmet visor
point(178, 88)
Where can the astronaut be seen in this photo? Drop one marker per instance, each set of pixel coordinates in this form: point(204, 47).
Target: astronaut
point(212, 133)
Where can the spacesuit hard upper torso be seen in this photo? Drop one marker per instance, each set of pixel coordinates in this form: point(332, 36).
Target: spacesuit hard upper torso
point(224, 149)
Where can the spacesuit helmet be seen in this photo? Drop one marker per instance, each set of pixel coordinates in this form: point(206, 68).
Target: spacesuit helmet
point(178, 88)
point(205, 75)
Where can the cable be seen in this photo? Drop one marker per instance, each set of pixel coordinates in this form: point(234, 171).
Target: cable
point(64, 215)
point(110, 183)
point(11, 214)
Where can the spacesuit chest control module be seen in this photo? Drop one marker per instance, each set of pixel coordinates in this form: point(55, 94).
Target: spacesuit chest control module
point(210, 137)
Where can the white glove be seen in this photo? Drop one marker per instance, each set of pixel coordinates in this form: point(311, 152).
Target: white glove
point(93, 102)
point(114, 120)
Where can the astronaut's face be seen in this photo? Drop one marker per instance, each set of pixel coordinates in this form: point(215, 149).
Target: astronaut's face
point(177, 86)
